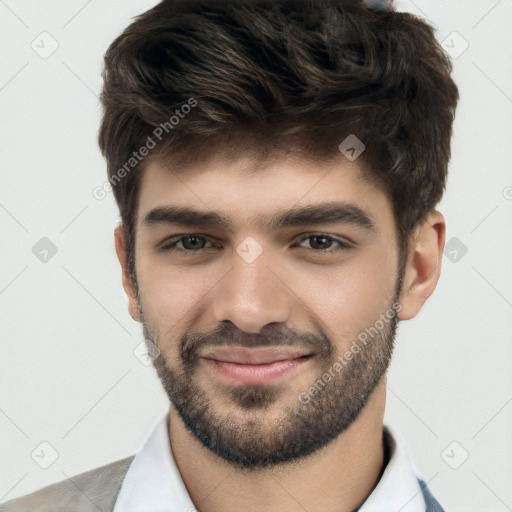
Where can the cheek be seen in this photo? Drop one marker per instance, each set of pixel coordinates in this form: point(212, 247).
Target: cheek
point(349, 298)
point(170, 299)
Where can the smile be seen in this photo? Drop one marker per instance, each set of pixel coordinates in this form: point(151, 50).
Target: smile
point(255, 373)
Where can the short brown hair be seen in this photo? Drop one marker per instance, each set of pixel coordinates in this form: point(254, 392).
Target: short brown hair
point(281, 76)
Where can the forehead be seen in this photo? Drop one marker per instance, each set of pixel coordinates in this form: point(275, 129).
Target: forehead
point(245, 191)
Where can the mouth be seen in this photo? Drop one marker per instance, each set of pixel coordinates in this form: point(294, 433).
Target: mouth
point(254, 366)
point(254, 356)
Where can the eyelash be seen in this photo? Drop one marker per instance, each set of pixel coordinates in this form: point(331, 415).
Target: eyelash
point(172, 246)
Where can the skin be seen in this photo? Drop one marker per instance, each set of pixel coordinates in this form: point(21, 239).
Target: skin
point(289, 293)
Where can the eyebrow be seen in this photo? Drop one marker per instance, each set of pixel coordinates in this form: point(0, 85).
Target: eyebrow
point(323, 213)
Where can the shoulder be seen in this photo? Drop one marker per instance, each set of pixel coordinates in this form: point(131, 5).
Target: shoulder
point(93, 490)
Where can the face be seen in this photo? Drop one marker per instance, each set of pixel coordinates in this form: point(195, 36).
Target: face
point(275, 313)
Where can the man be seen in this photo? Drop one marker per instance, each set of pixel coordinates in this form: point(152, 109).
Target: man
point(276, 165)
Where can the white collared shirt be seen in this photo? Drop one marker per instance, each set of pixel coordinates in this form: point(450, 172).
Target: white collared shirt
point(153, 482)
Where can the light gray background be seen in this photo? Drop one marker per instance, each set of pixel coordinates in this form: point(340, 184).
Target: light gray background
point(68, 374)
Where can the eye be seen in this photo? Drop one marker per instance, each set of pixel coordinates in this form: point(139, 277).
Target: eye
point(190, 244)
point(193, 244)
point(322, 243)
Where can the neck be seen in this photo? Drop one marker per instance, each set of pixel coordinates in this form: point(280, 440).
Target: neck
point(336, 478)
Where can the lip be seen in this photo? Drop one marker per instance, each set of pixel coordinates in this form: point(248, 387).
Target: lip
point(256, 373)
point(253, 356)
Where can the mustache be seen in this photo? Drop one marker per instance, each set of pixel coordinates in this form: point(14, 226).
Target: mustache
point(227, 334)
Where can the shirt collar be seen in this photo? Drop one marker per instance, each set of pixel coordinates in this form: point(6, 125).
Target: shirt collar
point(398, 488)
point(153, 482)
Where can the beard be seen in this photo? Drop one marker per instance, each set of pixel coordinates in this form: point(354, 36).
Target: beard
point(251, 441)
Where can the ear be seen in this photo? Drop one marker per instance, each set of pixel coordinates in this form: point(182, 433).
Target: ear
point(423, 266)
point(133, 306)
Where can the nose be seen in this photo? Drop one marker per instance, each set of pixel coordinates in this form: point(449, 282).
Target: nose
point(252, 295)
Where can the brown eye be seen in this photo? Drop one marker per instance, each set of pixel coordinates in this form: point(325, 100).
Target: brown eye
point(323, 243)
point(190, 244)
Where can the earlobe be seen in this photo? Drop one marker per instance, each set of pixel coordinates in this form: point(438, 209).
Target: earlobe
point(423, 266)
point(133, 307)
